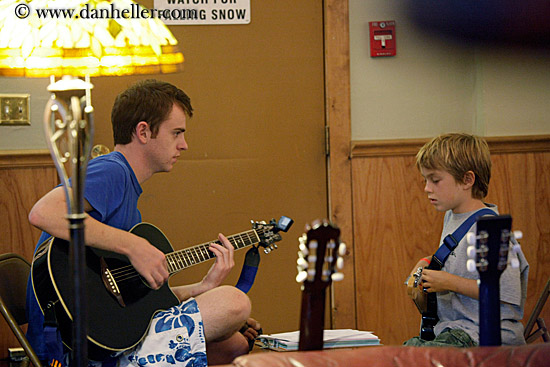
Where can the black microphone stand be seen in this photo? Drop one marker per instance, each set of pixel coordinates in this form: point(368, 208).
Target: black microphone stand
point(68, 121)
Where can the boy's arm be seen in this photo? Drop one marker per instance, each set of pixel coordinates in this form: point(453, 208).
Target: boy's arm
point(49, 215)
point(439, 281)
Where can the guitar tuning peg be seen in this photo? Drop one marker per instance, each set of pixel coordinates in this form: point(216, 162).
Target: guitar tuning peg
point(514, 263)
point(342, 249)
point(518, 235)
point(301, 277)
point(313, 244)
point(471, 238)
point(471, 252)
point(274, 246)
point(336, 277)
point(302, 263)
point(471, 265)
point(340, 263)
point(267, 250)
point(303, 249)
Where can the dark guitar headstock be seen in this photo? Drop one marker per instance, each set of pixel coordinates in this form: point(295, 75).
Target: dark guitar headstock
point(320, 256)
point(489, 246)
point(269, 232)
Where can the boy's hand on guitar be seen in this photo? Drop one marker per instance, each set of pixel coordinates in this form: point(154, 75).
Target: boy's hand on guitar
point(440, 281)
point(150, 262)
point(222, 266)
point(436, 281)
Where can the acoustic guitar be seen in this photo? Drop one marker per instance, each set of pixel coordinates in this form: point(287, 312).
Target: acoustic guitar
point(121, 304)
point(320, 255)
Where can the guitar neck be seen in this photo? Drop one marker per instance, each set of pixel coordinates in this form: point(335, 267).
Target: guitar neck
point(312, 320)
point(183, 259)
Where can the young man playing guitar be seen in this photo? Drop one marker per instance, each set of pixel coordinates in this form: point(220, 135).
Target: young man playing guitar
point(457, 169)
point(149, 121)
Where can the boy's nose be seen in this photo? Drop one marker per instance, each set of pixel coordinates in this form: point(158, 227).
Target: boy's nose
point(427, 188)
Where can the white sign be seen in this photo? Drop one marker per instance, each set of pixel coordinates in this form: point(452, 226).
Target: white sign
point(203, 12)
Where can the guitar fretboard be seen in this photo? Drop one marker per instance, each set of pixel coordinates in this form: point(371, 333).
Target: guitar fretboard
point(182, 259)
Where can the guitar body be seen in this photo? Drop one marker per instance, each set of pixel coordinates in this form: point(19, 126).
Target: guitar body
point(111, 326)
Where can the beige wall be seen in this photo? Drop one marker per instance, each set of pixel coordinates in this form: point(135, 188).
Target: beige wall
point(26, 137)
point(435, 85)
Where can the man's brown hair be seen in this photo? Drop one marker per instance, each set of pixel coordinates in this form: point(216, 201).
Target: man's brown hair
point(457, 154)
point(148, 100)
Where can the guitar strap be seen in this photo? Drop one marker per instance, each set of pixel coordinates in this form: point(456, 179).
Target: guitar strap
point(249, 270)
point(452, 240)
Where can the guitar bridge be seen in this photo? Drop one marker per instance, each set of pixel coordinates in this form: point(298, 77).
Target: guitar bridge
point(110, 283)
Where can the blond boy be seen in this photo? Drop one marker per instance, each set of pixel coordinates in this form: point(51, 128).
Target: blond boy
point(457, 170)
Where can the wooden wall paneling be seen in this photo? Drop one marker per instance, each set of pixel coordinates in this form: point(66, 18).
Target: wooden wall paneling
point(338, 115)
point(394, 225)
point(24, 178)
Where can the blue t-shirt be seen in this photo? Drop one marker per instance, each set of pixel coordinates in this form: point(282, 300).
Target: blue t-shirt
point(112, 190)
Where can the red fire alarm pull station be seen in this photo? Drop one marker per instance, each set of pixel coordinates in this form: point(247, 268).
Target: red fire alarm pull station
point(382, 38)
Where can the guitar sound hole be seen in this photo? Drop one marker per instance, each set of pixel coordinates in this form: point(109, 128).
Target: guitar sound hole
point(131, 285)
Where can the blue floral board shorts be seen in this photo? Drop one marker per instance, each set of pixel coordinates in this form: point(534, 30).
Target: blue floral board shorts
point(175, 339)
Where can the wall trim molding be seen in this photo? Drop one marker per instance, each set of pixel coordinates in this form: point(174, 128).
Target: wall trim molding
point(401, 147)
point(25, 159)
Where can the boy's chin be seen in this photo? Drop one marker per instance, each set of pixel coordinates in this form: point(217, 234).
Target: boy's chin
point(440, 208)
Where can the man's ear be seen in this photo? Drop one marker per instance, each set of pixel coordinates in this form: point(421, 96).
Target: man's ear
point(142, 132)
point(469, 179)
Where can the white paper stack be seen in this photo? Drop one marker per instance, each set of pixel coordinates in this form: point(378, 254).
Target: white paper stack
point(339, 338)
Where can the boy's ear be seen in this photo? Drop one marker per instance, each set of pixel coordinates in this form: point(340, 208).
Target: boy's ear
point(469, 179)
point(142, 131)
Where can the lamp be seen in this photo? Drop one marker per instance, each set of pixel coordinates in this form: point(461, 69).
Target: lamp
point(39, 39)
point(71, 39)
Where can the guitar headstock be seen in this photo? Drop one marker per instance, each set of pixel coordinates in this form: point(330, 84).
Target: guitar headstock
point(489, 246)
point(320, 255)
point(269, 232)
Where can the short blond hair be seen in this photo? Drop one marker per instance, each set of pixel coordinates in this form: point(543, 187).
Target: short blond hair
point(457, 154)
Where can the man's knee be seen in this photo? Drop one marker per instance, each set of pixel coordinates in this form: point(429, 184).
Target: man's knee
point(241, 306)
point(232, 302)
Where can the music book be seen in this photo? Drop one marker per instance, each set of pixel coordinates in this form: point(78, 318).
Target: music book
point(338, 338)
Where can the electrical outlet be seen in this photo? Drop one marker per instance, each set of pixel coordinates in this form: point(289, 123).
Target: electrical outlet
point(15, 109)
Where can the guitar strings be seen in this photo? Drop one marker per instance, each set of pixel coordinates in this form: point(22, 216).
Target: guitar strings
point(128, 272)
